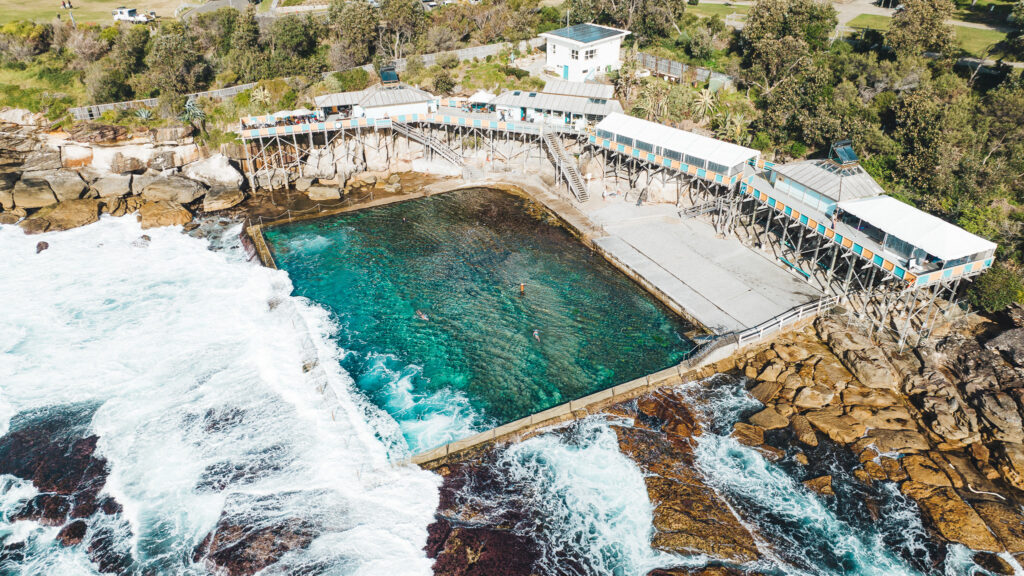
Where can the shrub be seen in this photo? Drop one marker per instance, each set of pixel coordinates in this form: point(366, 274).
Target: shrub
point(798, 149)
point(443, 82)
point(762, 142)
point(448, 61)
point(996, 289)
point(517, 73)
point(414, 65)
point(351, 80)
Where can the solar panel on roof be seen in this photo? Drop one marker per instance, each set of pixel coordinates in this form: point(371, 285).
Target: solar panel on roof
point(844, 154)
point(586, 33)
point(388, 75)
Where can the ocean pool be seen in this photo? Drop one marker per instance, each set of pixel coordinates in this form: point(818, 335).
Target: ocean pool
point(436, 330)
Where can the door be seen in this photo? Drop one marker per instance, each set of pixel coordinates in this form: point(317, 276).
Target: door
point(565, 72)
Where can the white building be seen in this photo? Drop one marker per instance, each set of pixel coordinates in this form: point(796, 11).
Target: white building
point(583, 51)
point(377, 101)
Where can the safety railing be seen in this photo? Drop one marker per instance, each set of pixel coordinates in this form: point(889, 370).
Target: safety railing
point(790, 316)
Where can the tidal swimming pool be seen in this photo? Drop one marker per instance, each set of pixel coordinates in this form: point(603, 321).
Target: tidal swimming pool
point(426, 295)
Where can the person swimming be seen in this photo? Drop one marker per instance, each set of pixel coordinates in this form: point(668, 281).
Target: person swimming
point(536, 335)
point(422, 316)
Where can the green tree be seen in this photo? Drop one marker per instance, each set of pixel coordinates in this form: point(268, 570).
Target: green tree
point(293, 35)
point(997, 288)
point(400, 21)
point(921, 27)
point(781, 39)
point(443, 82)
point(175, 65)
point(353, 26)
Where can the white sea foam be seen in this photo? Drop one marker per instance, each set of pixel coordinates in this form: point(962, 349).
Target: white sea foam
point(590, 502)
point(216, 390)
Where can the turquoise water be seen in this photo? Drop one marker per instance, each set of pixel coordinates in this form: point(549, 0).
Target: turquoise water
point(475, 361)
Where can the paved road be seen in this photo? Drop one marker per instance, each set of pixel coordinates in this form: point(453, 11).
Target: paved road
point(212, 5)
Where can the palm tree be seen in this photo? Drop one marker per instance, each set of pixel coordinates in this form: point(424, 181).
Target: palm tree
point(704, 104)
point(733, 127)
point(261, 96)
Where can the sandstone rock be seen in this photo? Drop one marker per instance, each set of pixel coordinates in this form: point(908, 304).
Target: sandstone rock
point(233, 150)
point(671, 411)
point(321, 164)
point(893, 470)
point(875, 470)
point(122, 164)
point(42, 159)
point(394, 179)
point(923, 470)
point(303, 184)
point(840, 428)
point(765, 392)
point(323, 193)
point(813, 397)
point(1011, 344)
point(113, 186)
point(40, 246)
point(954, 519)
point(74, 157)
point(171, 133)
point(163, 213)
point(8, 218)
point(273, 180)
point(33, 192)
point(466, 550)
point(821, 485)
point(771, 371)
point(803, 430)
point(994, 564)
point(22, 117)
point(62, 216)
point(769, 419)
point(894, 418)
point(97, 133)
point(999, 412)
point(214, 171)
point(748, 434)
point(140, 181)
point(162, 160)
point(1008, 458)
point(887, 441)
point(238, 549)
point(860, 396)
point(66, 184)
point(173, 189)
point(1005, 521)
point(220, 198)
point(801, 459)
point(871, 368)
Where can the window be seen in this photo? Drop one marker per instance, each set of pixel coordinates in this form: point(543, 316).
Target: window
point(590, 54)
point(671, 154)
point(575, 55)
point(644, 146)
point(605, 134)
point(717, 168)
point(624, 140)
point(553, 49)
point(694, 161)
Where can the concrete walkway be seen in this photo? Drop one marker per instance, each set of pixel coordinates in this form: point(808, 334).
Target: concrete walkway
point(719, 282)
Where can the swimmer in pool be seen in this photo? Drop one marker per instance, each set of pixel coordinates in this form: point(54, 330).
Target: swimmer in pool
point(536, 335)
point(422, 316)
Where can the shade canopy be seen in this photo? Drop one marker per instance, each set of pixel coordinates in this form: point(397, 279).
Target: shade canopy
point(481, 97)
point(934, 235)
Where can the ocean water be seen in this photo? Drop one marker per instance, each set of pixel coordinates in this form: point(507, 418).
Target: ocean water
point(192, 364)
point(436, 331)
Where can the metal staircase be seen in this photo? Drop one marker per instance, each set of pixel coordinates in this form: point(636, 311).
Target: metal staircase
point(565, 166)
point(435, 145)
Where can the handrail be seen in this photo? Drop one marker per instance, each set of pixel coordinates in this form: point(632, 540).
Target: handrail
point(792, 315)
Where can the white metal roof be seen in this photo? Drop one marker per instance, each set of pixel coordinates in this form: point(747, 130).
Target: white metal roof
point(557, 102)
point(710, 149)
point(481, 97)
point(934, 235)
point(374, 96)
point(825, 177)
point(584, 89)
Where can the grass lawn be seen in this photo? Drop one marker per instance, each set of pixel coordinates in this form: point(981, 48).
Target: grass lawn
point(720, 10)
point(993, 12)
point(96, 11)
point(975, 40)
point(870, 21)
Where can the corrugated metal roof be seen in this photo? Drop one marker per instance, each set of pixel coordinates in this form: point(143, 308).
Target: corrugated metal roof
point(583, 89)
point(828, 179)
point(375, 96)
point(586, 33)
point(710, 149)
point(391, 96)
point(558, 103)
point(922, 230)
point(338, 99)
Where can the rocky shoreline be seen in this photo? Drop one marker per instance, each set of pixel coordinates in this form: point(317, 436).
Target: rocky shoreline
point(57, 180)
